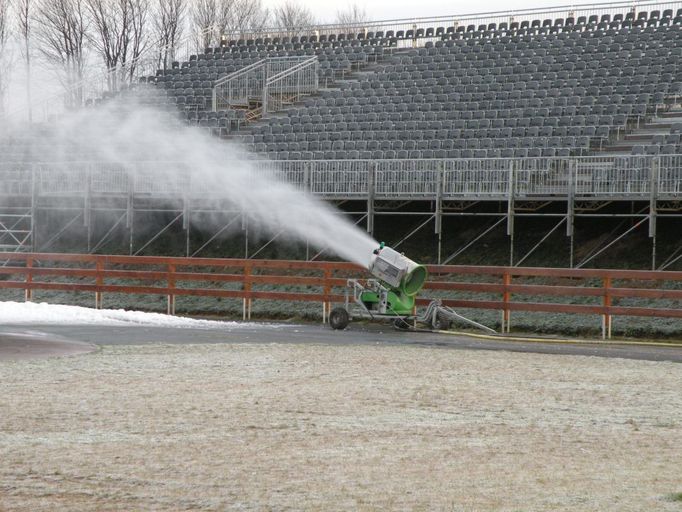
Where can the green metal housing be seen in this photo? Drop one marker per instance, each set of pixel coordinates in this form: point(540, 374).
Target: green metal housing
point(401, 299)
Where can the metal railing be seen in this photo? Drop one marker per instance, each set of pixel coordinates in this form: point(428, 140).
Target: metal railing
point(269, 83)
point(413, 29)
point(240, 88)
point(289, 85)
point(626, 177)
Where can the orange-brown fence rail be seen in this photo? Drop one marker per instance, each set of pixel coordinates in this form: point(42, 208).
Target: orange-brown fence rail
point(606, 293)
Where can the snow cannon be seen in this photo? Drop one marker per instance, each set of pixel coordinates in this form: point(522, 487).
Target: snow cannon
point(392, 295)
point(400, 281)
point(399, 273)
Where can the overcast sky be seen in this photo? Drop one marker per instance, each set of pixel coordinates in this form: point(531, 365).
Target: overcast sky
point(392, 9)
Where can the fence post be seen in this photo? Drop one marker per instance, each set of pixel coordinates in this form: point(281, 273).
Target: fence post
point(28, 292)
point(246, 301)
point(326, 305)
point(506, 313)
point(171, 286)
point(606, 318)
point(99, 281)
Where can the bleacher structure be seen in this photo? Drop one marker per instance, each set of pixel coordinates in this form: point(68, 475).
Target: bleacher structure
point(494, 116)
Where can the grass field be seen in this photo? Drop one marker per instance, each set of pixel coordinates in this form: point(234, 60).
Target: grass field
point(307, 427)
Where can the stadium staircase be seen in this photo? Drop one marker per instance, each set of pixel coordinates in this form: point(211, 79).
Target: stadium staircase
point(659, 135)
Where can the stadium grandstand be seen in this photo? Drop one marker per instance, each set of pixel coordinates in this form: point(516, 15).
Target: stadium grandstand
point(568, 114)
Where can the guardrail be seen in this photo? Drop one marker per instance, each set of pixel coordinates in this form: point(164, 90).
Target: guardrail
point(596, 178)
point(419, 27)
point(269, 80)
point(505, 289)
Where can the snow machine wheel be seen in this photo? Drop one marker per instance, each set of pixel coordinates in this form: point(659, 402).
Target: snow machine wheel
point(441, 323)
point(401, 324)
point(339, 318)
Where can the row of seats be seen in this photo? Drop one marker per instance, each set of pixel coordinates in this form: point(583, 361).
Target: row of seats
point(190, 84)
point(419, 154)
point(581, 22)
point(459, 95)
point(499, 87)
point(657, 149)
point(411, 144)
point(454, 136)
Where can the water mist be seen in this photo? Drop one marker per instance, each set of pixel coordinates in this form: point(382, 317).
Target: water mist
point(125, 132)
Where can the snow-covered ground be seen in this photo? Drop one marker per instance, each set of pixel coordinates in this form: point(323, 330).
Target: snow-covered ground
point(18, 313)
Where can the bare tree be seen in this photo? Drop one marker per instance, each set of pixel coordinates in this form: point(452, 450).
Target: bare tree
point(257, 18)
point(169, 20)
point(293, 18)
point(138, 41)
point(246, 16)
point(118, 34)
point(353, 15)
point(24, 16)
point(215, 20)
point(204, 21)
point(61, 28)
point(5, 64)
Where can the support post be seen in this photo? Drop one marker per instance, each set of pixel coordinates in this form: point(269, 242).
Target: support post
point(371, 175)
point(245, 228)
point(28, 292)
point(653, 207)
point(506, 296)
point(186, 223)
point(439, 209)
point(171, 286)
point(510, 211)
point(606, 318)
point(34, 209)
point(246, 301)
point(326, 305)
point(130, 213)
point(570, 210)
point(87, 206)
point(99, 281)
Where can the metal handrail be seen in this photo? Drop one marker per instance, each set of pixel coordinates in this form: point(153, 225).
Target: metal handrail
point(291, 70)
point(596, 177)
point(239, 72)
point(513, 14)
point(259, 88)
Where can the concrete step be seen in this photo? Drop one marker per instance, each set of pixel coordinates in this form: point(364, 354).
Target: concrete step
point(654, 125)
point(671, 114)
point(613, 148)
point(620, 146)
point(613, 153)
point(640, 135)
point(643, 136)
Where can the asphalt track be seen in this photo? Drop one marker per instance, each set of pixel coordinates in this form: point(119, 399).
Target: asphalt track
point(22, 341)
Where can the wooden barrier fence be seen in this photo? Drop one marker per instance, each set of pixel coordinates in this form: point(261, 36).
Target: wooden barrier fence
point(505, 289)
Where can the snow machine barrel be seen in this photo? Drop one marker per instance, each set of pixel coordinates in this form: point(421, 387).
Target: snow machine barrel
point(397, 271)
point(399, 280)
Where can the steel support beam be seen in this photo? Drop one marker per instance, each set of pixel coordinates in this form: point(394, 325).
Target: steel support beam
point(510, 211)
point(158, 234)
point(537, 245)
point(476, 239)
point(617, 239)
point(653, 210)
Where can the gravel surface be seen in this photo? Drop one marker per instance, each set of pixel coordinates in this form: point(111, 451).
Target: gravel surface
point(310, 427)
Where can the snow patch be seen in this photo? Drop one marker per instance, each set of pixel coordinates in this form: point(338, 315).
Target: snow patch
point(21, 313)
